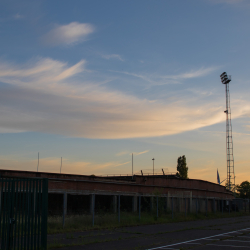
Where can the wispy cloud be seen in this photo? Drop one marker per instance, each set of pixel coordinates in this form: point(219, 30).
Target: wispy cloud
point(121, 164)
point(113, 56)
point(170, 79)
point(130, 153)
point(140, 153)
point(18, 16)
point(68, 34)
point(47, 97)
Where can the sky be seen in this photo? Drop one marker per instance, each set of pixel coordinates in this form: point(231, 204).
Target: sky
point(94, 81)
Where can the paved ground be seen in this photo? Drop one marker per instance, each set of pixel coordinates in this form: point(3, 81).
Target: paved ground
point(233, 233)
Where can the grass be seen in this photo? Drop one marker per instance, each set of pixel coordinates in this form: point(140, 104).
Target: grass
point(76, 223)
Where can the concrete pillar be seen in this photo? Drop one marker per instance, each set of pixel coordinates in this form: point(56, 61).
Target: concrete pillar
point(65, 203)
point(92, 203)
point(134, 205)
point(114, 204)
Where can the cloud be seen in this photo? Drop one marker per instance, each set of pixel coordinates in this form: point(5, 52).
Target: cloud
point(49, 96)
point(170, 79)
point(113, 56)
point(130, 153)
point(52, 165)
point(18, 16)
point(68, 34)
point(140, 153)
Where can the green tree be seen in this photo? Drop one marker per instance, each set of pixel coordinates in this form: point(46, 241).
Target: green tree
point(244, 189)
point(182, 169)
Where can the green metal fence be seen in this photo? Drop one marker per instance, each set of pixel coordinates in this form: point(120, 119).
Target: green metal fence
point(23, 213)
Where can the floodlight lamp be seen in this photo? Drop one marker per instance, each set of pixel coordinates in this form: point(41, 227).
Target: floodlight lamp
point(224, 78)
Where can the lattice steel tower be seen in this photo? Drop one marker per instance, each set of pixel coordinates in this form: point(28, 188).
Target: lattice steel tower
point(229, 137)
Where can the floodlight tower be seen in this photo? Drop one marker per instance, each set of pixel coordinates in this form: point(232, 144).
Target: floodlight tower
point(229, 137)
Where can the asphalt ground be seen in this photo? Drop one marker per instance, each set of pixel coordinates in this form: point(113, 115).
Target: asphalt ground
point(232, 233)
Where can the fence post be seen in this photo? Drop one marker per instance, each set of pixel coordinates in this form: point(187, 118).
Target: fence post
point(139, 207)
point(114, 203)
point(93, 209)
point(172, 208)
point(166, 204)
point(65, 199)
point(44, 214)
point(196, 206)
point(119, 207)
point(185, 208)
point(157, 206)
point(206, 206)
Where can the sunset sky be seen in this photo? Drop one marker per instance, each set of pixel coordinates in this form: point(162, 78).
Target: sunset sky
point(94, 81)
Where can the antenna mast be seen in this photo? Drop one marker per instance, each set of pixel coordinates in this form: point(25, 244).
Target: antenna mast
point(229, 137)
point(38, 162)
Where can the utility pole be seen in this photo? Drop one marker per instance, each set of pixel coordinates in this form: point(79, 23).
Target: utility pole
point(229, 137)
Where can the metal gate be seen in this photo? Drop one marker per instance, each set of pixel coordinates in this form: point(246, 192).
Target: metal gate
point(23, 213)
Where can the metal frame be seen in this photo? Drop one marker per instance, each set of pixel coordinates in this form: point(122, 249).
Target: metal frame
point(229, 138)
point(23, 213)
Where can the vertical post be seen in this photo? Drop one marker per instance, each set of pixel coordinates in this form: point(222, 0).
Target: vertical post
point(65, 207)
point(185, 207)
point(196, 205)
point(157, 206)
point(44, 214)
point(245, 206)
point(153, 166)
point(93, 209)
point(115, 204)
point(119, 207)
point(151, 203)
point(38, 162)
point(34, 194)
point(166, 204)
point(132, 167)
point(206, 206)
point(222, 206)
point(191, 202)
point(0, 204)
point(134, 208)
point(139, 207)
point(61, 166)
point(172, 208)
